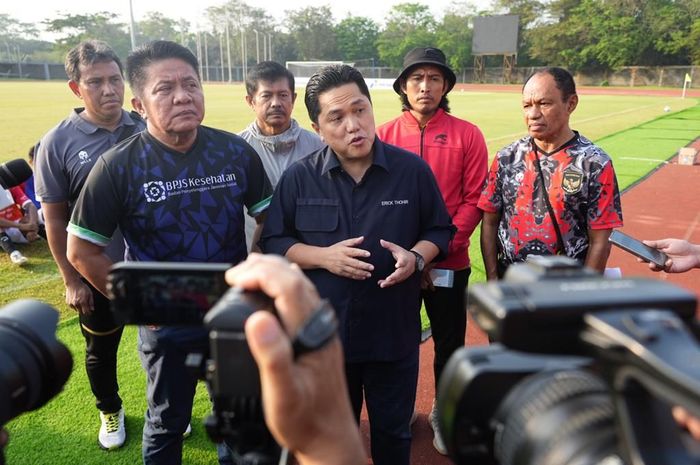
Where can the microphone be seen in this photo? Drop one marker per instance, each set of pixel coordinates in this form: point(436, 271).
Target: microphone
point(14, 172)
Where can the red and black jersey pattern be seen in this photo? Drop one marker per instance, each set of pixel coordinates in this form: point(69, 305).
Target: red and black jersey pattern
point(582, 190)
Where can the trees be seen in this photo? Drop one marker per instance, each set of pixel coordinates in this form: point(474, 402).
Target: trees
point(454, 35)
point(608, 34)
point(157, 26)
point(18, 40)
point(356, 37)
point(312, 30)
point(577, 34)
point(409, 25)
point(76, 28)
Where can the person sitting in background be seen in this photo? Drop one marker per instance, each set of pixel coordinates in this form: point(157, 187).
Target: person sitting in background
point(28, 185)
point(19, 222)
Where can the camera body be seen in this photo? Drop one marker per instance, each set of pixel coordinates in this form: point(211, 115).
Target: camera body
point(165, 294)
point(196, 294)
point(585, 370)
point(34, 365)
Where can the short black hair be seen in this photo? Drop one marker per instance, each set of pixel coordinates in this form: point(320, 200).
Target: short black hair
point(268, 71)
point(562, 78)
point(327, 78)
point(147, 54)
point(87, 53)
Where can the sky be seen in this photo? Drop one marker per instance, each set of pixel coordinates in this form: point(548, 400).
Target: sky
point(34, 11)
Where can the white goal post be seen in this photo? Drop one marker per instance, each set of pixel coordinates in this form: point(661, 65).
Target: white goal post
point(306, 69)
point(303, 70)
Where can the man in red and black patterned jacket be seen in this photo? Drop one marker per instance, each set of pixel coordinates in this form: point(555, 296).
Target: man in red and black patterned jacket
point(456, 152)
point(554, 165)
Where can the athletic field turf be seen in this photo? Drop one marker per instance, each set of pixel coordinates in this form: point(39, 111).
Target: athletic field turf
point(634, 129)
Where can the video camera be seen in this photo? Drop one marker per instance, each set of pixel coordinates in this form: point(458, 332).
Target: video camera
point(34, 365)
point(586, 371)
point(196, 294)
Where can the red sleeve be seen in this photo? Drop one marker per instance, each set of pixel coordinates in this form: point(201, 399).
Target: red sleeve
point(19, 196)
point(490, 200)
point(475, 163)
point(604, 206)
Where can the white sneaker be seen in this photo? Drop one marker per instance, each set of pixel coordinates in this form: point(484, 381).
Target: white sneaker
point(438, 443)
point(17, 258)
point(188, 431)
point(112, 433)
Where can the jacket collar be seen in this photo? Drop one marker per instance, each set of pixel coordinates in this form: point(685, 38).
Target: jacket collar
point(88, 128)
point(283, 142)
point(411, 121)
point(331, 162)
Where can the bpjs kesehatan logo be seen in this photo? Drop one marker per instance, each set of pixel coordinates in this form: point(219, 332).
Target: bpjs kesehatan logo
point(158, 191)
point(155, 191)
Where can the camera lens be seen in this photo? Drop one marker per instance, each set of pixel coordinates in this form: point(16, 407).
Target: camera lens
point(556, 418)
point(34, 366)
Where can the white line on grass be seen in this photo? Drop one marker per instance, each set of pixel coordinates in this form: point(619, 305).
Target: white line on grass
point(594, 118)
point(654, 160)
point(34, 283)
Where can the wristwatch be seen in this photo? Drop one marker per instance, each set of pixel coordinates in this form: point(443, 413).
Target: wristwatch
point(420, 261)
point(318, 329)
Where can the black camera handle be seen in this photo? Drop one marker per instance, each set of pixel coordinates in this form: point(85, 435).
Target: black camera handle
point(234, 379)
point(650, 360)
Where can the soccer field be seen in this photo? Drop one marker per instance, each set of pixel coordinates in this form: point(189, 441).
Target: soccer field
point(32, 108)
point(635, 130)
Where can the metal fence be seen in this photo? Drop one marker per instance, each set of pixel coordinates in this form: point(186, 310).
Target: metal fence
point(662, 76)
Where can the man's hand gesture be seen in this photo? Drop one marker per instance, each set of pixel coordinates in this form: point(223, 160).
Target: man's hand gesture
point(405, 264)
point(345, 259)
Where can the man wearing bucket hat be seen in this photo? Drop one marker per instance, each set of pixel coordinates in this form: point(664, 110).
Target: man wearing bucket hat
point(456, 151)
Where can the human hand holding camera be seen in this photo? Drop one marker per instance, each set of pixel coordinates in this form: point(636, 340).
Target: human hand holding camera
point(305, 401)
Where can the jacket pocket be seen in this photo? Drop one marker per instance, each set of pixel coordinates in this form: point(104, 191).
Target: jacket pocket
point(317, 215)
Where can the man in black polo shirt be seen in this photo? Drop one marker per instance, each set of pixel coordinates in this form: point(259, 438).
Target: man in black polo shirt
point(362, 218)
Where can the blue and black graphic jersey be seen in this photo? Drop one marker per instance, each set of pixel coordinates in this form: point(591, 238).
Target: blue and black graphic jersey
point(174, 206)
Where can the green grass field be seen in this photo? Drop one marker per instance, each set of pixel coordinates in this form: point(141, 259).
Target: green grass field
point(633, 129)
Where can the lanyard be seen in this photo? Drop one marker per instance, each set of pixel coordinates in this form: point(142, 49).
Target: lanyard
point(561, 248)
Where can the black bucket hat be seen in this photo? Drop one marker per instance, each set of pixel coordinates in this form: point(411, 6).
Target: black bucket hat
point(425, 56)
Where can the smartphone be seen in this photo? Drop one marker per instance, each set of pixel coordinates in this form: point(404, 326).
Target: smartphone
point(638, 248)
point(165, 293)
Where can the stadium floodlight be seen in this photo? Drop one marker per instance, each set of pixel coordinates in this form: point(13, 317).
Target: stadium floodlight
point(257, 46)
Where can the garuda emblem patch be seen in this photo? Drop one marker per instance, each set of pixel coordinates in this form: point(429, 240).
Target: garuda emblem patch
point(571, 181)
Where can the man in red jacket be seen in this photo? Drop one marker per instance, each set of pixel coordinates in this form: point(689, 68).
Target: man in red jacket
point(456, 151)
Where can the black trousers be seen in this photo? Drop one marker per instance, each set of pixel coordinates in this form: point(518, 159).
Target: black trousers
point(447, 312)
point(6, 243)
point(389, 391)
point(102, 336)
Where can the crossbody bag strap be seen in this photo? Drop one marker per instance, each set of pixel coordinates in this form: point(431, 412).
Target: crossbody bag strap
point(555, 223)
